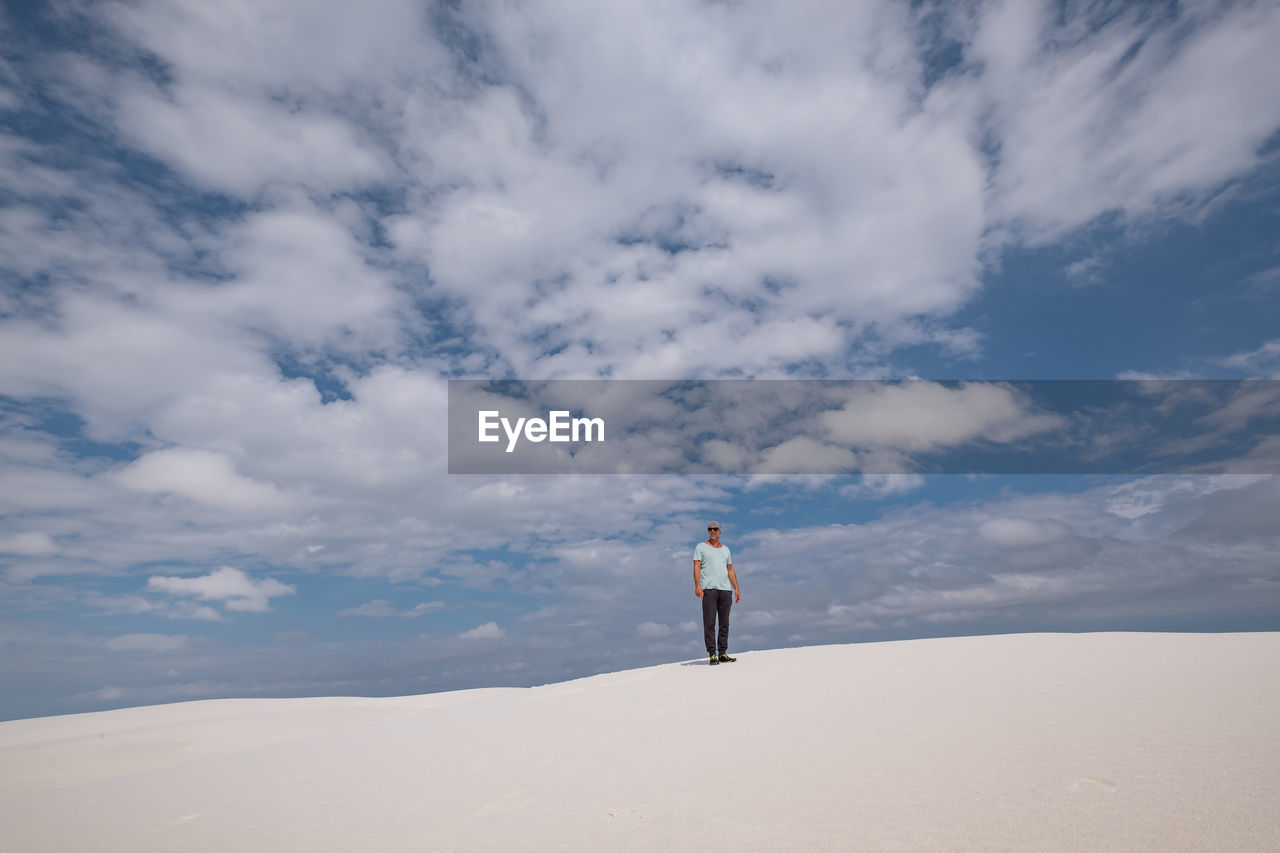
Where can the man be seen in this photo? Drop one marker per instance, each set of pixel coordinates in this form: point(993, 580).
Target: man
point(713, 578)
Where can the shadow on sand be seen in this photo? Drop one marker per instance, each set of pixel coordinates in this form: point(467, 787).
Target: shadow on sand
point(698, 662)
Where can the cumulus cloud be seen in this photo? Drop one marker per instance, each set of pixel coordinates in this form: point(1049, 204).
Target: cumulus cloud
point(1018, 532)
point(231, 587)
point(200, 475)
point(805, 455)
point(652, 630)
point(573, 238)
point(926, 416)
point(883, 485)
point(487, 631)
point(239, 144)
point(700, 207)
point(29, 543)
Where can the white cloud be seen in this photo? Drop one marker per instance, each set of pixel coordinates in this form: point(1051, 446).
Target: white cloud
point(383, 609)
point(1085, 272)
point(187, 610)
point(1151, 547)
point(576, 237)
point(200, 475)
point(288, 46)
point(231, 587)
point(1018, 532)
point(378, 609)
point(148, 643)
point(122, 603)
point(116, 361)
point(1263, 362)
point(742, 206)
point(652, 630)
point(883, 485)
point(926, 416)
point(263, 95)
point(805, 455)
point(109, 693)
point(237, 144)
point(1143, 114)
point(1248, 403)
point(29, 543)
point(300, 274)
point(487, 631)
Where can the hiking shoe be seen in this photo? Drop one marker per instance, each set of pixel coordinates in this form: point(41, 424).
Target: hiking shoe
point(714, 660)
point(725, 659)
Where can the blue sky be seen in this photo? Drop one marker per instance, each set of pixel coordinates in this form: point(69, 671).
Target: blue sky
point(245, 246)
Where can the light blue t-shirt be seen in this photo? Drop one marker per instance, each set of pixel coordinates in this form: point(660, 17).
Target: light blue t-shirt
point(715, 565)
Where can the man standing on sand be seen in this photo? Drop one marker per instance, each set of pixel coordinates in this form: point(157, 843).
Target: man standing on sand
point(713, 578)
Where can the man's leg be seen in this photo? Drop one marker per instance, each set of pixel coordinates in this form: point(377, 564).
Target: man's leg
point(709, 599)
point(726, 602)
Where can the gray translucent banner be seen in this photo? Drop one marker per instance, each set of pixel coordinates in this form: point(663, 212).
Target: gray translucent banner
point(728, 426)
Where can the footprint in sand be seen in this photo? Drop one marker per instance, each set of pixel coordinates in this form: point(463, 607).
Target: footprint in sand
point(1091, 783)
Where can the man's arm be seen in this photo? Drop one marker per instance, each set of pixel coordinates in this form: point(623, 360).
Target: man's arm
point(733, 579)
point(697, 578)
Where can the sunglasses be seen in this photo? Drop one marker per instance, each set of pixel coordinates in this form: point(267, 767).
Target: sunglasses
point(709, 529)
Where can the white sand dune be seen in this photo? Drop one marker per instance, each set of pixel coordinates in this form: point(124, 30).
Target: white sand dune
point(1023, 742)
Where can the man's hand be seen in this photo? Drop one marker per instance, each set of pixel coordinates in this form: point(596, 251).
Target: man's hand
point(697, 590)
point(737, 596)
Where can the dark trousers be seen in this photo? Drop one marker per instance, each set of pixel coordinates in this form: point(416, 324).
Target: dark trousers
point(715, 605)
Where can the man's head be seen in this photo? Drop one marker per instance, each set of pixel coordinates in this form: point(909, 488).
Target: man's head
point(713, 530)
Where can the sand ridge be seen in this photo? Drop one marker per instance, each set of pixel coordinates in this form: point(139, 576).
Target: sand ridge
point(1017, 742)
